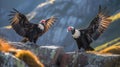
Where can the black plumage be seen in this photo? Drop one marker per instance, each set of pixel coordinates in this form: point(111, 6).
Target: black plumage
point(29, 31)
point(84, 37)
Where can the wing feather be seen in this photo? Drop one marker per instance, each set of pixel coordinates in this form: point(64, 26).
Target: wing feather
point(104, 23)
point(49, 23)
point(19, 22)
point(98, 25)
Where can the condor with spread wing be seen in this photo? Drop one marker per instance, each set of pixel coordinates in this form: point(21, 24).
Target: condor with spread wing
point(84, 37)
point(29, 31)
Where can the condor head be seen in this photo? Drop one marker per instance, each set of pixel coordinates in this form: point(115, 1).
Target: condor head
point(75, 32)
point(43, 22)
point(41, 25)
point(71, 28)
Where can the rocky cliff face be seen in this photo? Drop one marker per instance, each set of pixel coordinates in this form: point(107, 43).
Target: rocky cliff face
point(54, 56)
point(69, 12)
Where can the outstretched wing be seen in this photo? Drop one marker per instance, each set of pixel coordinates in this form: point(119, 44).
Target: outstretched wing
point(98, 25)
point(49, 23)
point(19, 22)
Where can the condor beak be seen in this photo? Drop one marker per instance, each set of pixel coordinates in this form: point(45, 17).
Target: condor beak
point(67, 30)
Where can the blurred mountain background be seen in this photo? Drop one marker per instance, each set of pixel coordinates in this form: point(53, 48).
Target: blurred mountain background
point(77, 13)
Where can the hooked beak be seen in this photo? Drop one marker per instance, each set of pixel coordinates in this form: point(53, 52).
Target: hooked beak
point(67, 30)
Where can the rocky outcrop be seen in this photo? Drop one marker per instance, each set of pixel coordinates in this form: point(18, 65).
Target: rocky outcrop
point(49, 55)
point(89, 59)
point(8, 60)
point(55, 56)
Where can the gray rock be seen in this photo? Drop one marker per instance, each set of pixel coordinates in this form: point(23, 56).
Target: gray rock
point(49, 55)
point(8, 60)
point(88, 59)
point(55, 56)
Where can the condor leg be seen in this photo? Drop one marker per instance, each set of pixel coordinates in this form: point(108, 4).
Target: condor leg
point(24, 40)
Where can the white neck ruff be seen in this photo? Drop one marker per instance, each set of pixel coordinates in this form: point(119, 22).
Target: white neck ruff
point(76, 34)
point(41, 26)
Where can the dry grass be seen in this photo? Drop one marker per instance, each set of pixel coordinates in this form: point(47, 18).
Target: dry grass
point(4, 46)
point(112, 49)
point(8, 27)
point(114, 17)
point(113, 42)
point(27, 56)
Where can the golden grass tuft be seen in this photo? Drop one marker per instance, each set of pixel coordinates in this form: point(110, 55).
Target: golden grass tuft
point(112, 50)
point(4, 46)
point(25, 55)
point(115, 17)
point(29, 58)
point(8, 27)
point(113, 42)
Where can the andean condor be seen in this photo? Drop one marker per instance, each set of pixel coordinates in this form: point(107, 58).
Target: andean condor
point(84, 37)
point(29, 31)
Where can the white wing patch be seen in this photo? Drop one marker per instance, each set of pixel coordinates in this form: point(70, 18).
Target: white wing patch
point(41, 26)
point(76, 34)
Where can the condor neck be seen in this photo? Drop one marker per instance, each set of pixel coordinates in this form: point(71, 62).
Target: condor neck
point(41, 26)
point(76, 34)
point(73, 31)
